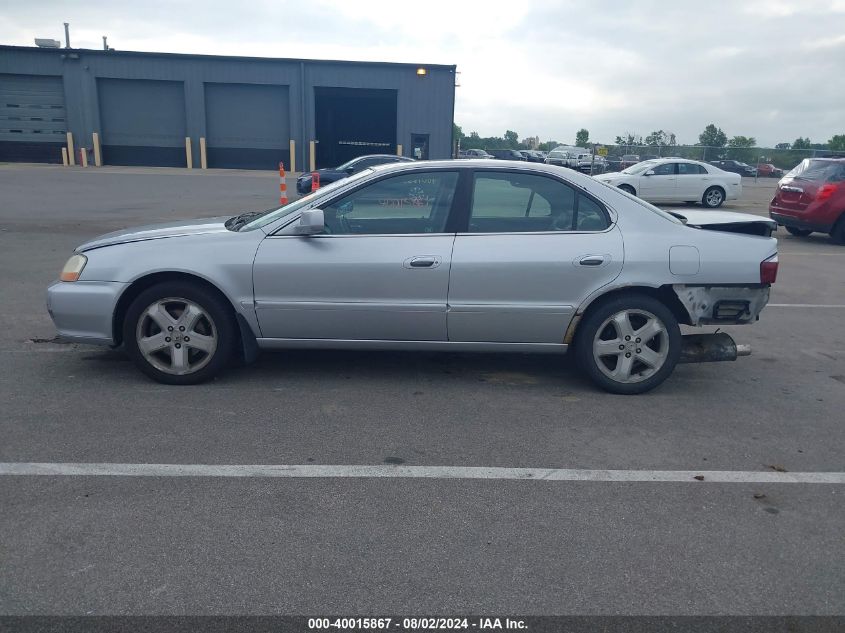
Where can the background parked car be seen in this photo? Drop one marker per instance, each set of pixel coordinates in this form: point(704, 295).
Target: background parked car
point(303, 183)
point(675, 180)
point(629, 160)
point(768, 170)
point(533, 155)
point(811, 198)
point(474, 153)
point(587, 163)
point(565, 156)
point(506, 154)
point(735, 166)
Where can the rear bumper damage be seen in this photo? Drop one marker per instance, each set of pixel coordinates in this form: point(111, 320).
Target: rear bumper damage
point(722, 305)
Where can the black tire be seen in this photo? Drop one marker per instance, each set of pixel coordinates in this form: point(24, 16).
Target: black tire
point(596, 317)
point(218, 321)
point(628, 189)
point(711, 200)
point(796, 231)
point(838, 232)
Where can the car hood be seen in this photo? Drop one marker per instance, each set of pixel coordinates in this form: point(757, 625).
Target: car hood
point(611, 177)
point(156, 232)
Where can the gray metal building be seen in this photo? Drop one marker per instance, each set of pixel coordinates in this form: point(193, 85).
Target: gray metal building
point(241, 112)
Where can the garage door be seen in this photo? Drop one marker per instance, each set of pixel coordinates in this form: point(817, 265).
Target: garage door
point(247, 125)
point(143, 122)
point(352, 122)
point(32, 118)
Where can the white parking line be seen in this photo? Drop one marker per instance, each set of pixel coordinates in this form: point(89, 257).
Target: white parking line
point(414, 472)
point(803, 305)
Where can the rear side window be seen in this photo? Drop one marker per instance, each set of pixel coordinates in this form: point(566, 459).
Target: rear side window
point(686, 169)
point(504, 202)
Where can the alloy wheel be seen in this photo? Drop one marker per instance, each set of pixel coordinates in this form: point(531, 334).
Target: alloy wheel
point(176, 336)
point(630, 346)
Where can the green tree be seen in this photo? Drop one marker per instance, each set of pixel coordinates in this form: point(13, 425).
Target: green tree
point(837, 143)
point(657, 139)
point(512, 139)
point(457, 132)
point(742, 141)
point(802, 143)
point(548, 146)
point(712, 136)
point(582, 138)
point(629, 138)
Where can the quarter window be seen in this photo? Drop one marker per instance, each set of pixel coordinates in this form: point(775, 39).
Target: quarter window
point(416, 202)
point(509, 202)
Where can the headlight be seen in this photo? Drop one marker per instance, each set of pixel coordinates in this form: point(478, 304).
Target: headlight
point(73, 268)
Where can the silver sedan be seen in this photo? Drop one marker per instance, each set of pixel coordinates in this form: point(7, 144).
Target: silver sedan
point(452, 255)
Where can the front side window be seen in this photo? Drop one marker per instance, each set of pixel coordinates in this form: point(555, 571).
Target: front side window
point(504, 202)
point(416, 202)
point(666, 169)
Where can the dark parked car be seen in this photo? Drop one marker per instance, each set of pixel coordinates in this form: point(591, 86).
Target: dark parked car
point(506, 154)
point(812, 198)
point(303, 183)
point(533, 155)
point(735, 166)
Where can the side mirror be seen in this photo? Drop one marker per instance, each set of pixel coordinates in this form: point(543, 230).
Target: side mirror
point(311, 222)
point(350, 170)
point(650, 172)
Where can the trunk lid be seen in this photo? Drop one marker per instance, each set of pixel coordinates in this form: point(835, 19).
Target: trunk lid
point(727, 221)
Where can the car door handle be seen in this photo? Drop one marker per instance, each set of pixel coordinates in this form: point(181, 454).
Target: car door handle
point(591, 260)
point(422, 261)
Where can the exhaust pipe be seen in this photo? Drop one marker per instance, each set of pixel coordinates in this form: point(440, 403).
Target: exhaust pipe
point(711, 348)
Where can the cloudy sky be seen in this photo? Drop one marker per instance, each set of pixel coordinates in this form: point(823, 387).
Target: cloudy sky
point(772, 69)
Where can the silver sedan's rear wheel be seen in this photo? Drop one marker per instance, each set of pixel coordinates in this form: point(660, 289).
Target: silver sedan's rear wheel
point(180, 333)
point(629, 343)
point(630, 346)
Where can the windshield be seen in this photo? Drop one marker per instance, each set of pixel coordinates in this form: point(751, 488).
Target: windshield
point(639, 167)
point(279, 212)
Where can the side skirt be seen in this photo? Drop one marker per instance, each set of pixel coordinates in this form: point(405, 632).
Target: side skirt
point(429, 346)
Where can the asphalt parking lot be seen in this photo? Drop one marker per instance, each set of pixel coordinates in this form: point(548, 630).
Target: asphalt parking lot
point(427, 545)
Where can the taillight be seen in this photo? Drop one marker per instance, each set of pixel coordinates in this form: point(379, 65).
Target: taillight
point(826, 191)
point(769, 270)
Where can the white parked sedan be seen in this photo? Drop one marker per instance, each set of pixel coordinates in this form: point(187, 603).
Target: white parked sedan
point(677, 180)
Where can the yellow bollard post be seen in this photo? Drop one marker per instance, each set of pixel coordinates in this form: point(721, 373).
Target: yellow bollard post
point(203, 160)
point(64, 156)
point(98, 157)
point(313, 152)
point(399, 150)
point(83, 154)
point(188, 156)
point(70, 156)
point(292, 156)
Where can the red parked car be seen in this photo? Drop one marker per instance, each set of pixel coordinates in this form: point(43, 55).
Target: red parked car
point(769, 170)
point(812, 198)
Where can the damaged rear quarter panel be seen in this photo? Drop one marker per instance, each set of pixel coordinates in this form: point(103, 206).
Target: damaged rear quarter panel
point(700, 302)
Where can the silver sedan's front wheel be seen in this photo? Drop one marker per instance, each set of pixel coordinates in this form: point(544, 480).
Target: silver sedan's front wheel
point(176, 336)
point(180, 333)
point(628, 343)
